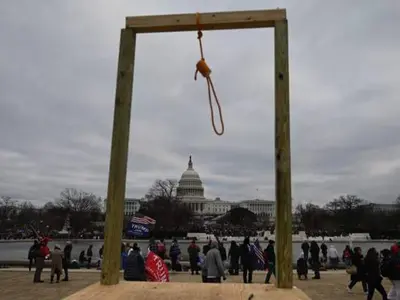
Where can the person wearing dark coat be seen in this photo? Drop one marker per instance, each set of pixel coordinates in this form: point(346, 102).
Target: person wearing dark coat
point(270, 255)
point(234, 254)
point(373, 274)
point(247, 258)
point(357, 260)
point(89, 255)
point(324, 251)
point(101, 251)
point(305, 247)
point(391, 269)
point(135, 266)
point(66, 259)
point(314, 253)
point(41, 254)
point(174, 253)
point(32, 253)
point(193, 251)
point(222, 251)
point(206, 247)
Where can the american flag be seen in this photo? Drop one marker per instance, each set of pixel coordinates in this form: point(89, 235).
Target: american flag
point(143, 220)
point(259, 253)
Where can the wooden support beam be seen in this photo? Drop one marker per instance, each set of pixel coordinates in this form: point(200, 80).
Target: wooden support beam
point(284, 278)
point(119, 159)
point(209, 21)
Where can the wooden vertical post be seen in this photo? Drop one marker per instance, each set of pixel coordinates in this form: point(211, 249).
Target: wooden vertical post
point(119, 159)
point(284, 276)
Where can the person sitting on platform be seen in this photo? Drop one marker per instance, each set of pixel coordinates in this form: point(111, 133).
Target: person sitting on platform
point(135, 266)
point(302, 267)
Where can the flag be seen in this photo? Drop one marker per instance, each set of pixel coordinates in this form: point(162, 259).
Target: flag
point(156, 269)
point(143, 220)
point(259, 253)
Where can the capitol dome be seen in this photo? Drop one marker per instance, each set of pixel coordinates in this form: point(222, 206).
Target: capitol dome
point(190, 185)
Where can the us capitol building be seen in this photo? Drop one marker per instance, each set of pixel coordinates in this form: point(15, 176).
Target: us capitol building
point(191, 192)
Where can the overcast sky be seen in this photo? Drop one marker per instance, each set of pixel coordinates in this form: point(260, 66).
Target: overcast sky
point(57, 85)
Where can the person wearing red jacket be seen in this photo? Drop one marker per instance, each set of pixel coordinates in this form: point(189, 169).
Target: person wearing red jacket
point(41, 255)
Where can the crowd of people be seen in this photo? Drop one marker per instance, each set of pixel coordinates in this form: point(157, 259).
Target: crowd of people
point(212, 260)
point(371, 269)
point(60, 259)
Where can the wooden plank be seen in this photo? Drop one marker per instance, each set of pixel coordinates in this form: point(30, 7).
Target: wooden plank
point(183, 291)
point(209, 21)
point(118, 159)
point(283, 188)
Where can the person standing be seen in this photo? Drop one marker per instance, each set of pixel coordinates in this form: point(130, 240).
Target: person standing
point(391, 269)
point(67, 259)
point(324, 251)
point(32, 254)
point(373, 274)
point(357, 260)
point(247, 258)
point(193, 251)
point(153, 245)
point(347, 254)
point(305, 247)
point(174, 253)
point(41, 254)
point(89, 255)
point(101, 251)
point(161, 249)
point(56, 263)
point(234, 254)
point(213, 265)
point(333, 256)
point(270, 256)
point(206, 247)
point(314, 252)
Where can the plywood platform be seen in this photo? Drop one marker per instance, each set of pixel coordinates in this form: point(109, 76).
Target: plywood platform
point(184, 291)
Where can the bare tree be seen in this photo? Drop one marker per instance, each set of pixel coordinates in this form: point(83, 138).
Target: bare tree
point(79, 201)
point(8, 207)
point(81, 207)
point(163, 188)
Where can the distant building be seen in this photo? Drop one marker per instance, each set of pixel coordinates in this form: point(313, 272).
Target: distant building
point(131, 206)
point(384, 207)
point(260, 207)
point(191, 192)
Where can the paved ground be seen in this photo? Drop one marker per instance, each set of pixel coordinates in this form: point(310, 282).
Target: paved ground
point(17, 285)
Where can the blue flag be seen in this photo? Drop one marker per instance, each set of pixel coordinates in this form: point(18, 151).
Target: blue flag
point(137, 230)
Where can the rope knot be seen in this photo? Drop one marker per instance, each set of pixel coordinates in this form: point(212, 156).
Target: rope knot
point(202, 68)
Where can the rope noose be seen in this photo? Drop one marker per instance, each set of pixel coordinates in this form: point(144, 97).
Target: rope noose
point(203, 69)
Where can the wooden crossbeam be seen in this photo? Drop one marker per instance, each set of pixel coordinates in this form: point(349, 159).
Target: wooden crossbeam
point(209, 21)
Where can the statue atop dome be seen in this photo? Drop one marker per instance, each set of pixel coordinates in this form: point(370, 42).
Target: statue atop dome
point(190, 164)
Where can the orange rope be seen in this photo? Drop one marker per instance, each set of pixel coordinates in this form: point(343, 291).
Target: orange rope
point(203, 69)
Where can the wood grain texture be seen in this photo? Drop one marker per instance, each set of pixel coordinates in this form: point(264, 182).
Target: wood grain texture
point(184, 291)
point(119, 159)
point(282, 159)
point(209, 21)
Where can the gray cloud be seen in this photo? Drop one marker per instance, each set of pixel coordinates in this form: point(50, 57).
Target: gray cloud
point(57, 84)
